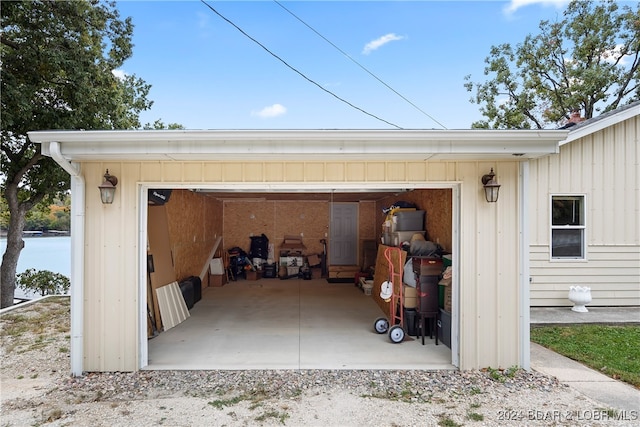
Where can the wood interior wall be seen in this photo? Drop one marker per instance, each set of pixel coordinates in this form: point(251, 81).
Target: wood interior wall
point(195, 222)
point(437, 203)
point(308, 220)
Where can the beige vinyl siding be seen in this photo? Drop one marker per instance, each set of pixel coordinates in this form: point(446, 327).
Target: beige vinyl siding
point(486, 301)
point(604, 167)
point(611, 273)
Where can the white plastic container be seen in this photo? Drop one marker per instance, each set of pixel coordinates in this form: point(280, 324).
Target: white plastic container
point(367, 286)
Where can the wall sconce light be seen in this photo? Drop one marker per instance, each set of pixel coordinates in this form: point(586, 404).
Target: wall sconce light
point(491, 187)
point(108, 188)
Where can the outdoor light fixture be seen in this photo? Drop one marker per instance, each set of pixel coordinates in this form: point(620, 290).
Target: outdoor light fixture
point(491, 187)
point(108, 188)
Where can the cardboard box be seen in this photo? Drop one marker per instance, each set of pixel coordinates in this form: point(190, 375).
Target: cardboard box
point(217, 280)
point(446, 290)
point(253, 275)
point(316, 273)
point(410, 297)
point(292, 261)
point(292, 243)
point(313, 260)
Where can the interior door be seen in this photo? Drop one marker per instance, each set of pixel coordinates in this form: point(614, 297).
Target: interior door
point(343, 244)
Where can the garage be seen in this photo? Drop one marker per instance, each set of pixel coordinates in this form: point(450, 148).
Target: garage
point(283, 321)
point(238, 171)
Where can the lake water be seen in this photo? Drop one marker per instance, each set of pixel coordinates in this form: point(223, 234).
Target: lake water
point(43, 253)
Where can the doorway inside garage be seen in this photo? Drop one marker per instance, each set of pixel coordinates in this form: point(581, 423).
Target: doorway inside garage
point(241, 322)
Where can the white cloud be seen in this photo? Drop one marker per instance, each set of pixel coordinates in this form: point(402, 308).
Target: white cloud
point(120, 74)
point(612, 55)
point(514, 5)
point(274, 110)
point(379, 42)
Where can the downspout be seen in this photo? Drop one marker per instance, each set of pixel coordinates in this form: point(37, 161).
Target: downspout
point(77, 255)
point(525, 289)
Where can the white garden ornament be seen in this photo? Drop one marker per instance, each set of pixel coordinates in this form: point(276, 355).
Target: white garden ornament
point(580, 296)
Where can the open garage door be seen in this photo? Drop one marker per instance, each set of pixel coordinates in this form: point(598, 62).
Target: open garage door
point(294, 323)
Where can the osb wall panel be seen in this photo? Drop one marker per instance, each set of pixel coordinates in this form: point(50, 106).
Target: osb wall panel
point(310, 220)
point(195, 222)
point(275, 219)
point(245, 219)
point(369, 228)
point(437, 203)
point(439, 207)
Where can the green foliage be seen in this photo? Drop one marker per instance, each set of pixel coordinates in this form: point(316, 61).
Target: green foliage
point(59, 63)
point(612, 350)
point(44, 282)
point(159, 125)
point(588, 60)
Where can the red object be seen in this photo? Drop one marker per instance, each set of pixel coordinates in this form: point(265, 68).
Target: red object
point(396, 281)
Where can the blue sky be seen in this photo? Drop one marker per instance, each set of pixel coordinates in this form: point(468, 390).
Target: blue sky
point(206, 74)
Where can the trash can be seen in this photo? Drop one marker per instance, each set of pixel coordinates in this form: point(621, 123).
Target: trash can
point(410, 321)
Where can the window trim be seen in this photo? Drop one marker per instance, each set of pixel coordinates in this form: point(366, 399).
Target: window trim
point(582, 227)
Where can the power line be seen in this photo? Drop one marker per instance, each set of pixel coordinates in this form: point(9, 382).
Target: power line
point(295, 70)
point(358, 64)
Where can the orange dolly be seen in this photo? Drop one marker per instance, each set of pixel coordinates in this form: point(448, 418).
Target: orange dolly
point(391, 290)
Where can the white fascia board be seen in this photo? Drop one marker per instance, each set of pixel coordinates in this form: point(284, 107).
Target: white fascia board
point(300, 144)
point(601, 124)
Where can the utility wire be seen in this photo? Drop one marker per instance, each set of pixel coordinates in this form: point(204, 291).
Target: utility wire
point(358, 64)
point(295, 70)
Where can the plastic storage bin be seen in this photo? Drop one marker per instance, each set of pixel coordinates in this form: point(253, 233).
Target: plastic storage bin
point(399, 237)
point(409, 220)
point(444, 328)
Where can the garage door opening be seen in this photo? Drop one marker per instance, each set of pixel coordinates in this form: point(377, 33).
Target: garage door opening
point(271, 323)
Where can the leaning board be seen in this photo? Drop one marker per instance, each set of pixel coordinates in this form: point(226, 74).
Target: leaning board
point(173, 309)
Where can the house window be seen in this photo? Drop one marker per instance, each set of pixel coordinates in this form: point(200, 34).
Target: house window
point(567, 227)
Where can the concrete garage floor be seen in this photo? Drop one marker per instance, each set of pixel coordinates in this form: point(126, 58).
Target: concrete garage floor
point(288, 324)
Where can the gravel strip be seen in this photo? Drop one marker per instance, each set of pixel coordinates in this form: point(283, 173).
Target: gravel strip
point(38, 390)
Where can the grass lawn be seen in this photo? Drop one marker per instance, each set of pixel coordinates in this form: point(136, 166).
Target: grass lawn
point(612, 350)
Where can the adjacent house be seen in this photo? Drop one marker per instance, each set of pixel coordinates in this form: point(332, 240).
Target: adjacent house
point(226, 184)
point(585, 211)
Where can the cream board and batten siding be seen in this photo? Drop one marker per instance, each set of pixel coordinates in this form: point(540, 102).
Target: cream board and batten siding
point(604, 167)
point(488, 312)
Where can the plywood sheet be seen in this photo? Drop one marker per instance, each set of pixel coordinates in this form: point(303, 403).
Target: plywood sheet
point(195, 224)
point(173, 308)
point(160, 252)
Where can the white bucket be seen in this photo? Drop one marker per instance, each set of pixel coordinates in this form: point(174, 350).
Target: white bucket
point(367, 286)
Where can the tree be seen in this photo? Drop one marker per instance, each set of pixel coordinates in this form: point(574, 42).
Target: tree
point(159, 125)
point(44, 282)
point(58, 63)
point(588, 61)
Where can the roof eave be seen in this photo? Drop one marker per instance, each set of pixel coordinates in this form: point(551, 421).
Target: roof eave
point(300, 144)
point(590, 128)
